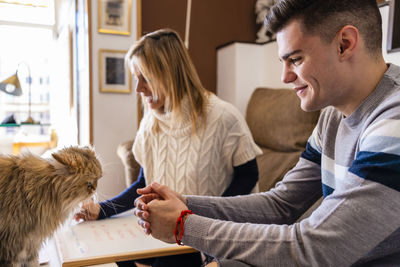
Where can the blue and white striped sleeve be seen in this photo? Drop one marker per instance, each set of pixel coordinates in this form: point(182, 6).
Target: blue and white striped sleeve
point(379, 157)
point(313, 149)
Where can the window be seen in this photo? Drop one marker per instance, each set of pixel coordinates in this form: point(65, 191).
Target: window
point(27, 50)
point(31, 45)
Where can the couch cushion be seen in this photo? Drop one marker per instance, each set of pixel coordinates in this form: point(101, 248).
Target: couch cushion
point(132, 168)
point(273, 165)
point(276, 120)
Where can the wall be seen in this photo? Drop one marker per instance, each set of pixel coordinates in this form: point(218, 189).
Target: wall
point(242, 67)
point(114, 115)
point(389, 57)
point(212, 24)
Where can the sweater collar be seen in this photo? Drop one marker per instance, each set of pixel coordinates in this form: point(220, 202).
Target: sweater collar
point(175, 126)
point(375, 98)
point(180, 126)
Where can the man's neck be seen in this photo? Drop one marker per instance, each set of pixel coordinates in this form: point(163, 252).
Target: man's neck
point(365, 81)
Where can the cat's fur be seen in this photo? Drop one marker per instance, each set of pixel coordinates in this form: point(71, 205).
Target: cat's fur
point(37, 195)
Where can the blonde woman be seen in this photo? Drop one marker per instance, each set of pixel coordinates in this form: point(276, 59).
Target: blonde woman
point(188, 139)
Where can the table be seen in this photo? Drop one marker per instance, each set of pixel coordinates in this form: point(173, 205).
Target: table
point(52, 258)
point(106, 241)
point(28, 137)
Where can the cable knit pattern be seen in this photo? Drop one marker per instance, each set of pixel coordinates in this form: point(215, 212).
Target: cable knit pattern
point(198, 164)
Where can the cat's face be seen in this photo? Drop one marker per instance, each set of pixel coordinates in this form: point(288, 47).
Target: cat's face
point(86, 183)
point(79, 172)
point(43, 193)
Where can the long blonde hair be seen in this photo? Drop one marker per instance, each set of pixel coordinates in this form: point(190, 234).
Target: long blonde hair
point(163, 60)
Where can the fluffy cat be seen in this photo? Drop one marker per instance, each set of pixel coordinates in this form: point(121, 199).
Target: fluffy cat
point(37, 195)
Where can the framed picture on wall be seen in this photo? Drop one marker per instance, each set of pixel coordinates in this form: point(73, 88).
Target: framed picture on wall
point(382, 2)
point(114, 16)
point(114, 77)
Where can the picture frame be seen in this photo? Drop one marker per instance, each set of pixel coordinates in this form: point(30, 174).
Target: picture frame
point(382, 2)
point(140, 107)
point(393, 36)
point(114, 16)
point(114, 77)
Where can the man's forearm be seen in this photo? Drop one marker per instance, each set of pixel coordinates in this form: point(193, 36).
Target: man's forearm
point(338, 232)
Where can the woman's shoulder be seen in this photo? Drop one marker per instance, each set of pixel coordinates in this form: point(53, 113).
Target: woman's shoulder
point(223, 109)
point(146, 123)
point(223, 114)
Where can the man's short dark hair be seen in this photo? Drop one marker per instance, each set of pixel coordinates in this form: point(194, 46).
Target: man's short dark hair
point(326, 17)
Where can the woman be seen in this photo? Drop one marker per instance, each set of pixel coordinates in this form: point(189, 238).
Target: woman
point(188, 139)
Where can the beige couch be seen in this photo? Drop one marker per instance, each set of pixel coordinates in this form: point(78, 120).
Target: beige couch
point(132, 168)
point(279, 127)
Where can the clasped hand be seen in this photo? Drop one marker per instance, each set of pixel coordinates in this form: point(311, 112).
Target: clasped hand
point(158, 208)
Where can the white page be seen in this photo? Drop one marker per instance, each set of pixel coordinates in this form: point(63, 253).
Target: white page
point(118, 235)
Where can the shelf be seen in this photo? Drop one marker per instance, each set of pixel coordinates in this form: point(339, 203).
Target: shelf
point(23, 124)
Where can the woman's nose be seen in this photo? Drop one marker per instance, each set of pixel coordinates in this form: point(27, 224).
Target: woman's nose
point(139, 87)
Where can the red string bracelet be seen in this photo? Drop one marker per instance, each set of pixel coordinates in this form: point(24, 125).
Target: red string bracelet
point(180, 221)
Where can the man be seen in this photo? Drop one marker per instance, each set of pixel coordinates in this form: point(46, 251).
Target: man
point(331, 54)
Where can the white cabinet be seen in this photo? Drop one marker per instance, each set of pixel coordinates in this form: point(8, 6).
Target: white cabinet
point(242, 67)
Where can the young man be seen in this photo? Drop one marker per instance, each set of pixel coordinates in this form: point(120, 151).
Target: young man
point(331, 54)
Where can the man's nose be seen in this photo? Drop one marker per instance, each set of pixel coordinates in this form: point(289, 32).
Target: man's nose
point(288, 75)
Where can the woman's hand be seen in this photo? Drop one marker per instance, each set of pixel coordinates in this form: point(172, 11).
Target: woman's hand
point(89, 212)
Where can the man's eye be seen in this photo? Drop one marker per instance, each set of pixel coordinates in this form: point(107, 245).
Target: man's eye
point(295, 61)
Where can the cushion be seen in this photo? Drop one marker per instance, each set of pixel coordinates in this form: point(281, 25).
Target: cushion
point(273, 165)
point(276, 120)
point(132, 168)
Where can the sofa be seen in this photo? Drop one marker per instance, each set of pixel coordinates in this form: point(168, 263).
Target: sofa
point(279, 127)
point(131, 167)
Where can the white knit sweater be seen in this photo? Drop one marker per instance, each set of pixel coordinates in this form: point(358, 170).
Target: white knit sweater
point(195, 164)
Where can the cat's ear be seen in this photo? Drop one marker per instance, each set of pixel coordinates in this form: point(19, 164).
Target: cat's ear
point(74, 158)
point(60, 158)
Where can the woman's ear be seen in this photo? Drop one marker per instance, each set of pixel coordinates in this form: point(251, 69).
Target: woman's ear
point(347, 41)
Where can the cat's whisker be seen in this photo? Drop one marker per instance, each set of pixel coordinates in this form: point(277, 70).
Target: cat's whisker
point(105, 197)
point(102, 210)
point(95, 197)
point(102, 196)
point(106, 165)
point(108, 204)
point(113, 205)
point(108, 171)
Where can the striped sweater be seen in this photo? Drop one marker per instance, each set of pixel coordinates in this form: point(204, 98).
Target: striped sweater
point(354, 163)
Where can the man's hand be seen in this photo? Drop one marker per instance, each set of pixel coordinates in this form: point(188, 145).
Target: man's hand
point(89, 211)
point(158, 209)
point(150, 190)
point(141, 209)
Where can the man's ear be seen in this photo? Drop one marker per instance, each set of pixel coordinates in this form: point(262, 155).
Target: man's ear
point(347, 41)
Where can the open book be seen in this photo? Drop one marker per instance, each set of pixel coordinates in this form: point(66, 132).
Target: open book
point(110, 240)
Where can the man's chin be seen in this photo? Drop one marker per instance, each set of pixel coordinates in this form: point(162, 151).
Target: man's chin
point(309, 108)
